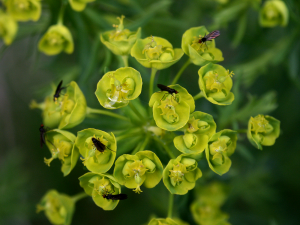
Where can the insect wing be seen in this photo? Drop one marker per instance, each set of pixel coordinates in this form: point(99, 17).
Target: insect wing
point(212, 35)
point(119, 197)
point(58, 87)
point(162, 87)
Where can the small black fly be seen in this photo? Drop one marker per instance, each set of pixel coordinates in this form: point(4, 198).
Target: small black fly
point(171, 91)
point(115, 197)
point(58, 90)
point(99, 145)
point(209, 37)
point(42, 135)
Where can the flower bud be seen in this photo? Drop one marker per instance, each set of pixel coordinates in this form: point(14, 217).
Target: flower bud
point(263, 130)
point(155, 52)
point(59, 208)
point(200, 53)
point(171, 112)
point(62, 146)
point(24, 10)
point(79, 5)
point(180, 174)
point(8, 27)
point(274, 13)
point(115, 89)
point(215, 83)
point(120, 40)
point(220, 146)
point(57, 39)
point(97, 185)
point(94, 160)
point(142, 168)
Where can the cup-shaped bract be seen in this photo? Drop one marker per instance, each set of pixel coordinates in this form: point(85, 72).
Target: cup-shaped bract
point(97, 160)
point(72, 106)
point(142, 168)
point(166, 221)
point(274, 13)
point(8, 27)
point(24, 10)
point(198, 130)
point(181, 174)
point(263, 130)
point(200, 53)
point(58, 38)
point(220, 146)
point(120, 40)
point(97, 185)
point(59, 208)
point(62, 146)
point(215, 83)
point(155, 52)
point(171, 111)
point(116, 88)
point(79, 5)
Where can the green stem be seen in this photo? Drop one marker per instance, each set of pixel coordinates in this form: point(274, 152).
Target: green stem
point(136, 111)
point(125, 60)
point(153, 73)
point(79, 196)
point(178, 75)
point(167, 149)
point(107, 113)
point(61, 14)
point(137, 148)
point(197, 96)
point(142, 148)
point(242, 131)
point(170, 210)
point(129, 134)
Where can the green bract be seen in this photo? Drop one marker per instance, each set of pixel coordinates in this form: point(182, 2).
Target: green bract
point(94, 160)
point(213, 194)
point(97, 185)
point(155, 52)
point(116, 88)
point(23, 10)
point(142, 168)
point(120, 41)
point(215, 83)
point(62, 146)
point(59, 208)
point(200, 53)
point(79, 5)
point(180, 174)
point(72, 107)
point(8, 27)
point(57, 39)
point(167, 221)
point(198, 130)
point(263, 130)
point(220, 146)
point(274, 13)
point(171, 112)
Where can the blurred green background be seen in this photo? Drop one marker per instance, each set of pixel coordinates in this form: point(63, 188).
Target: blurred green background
point(264, 185)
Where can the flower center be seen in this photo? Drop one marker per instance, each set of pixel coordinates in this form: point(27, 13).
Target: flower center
point(215, 82)
point(120, 33)
point(55, 39)
point(60, 150)
point(21, 5)
point(177, 174)
point(260, 125)
point(168, 108)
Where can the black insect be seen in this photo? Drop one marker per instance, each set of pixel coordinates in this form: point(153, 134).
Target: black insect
point(115, 197)
point(171, 91)
point(58, 90)
point(209, 37)
point(42, 135)
point(99, 145)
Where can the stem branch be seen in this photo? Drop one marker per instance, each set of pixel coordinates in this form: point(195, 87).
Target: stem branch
point(125, 60)
point(178, 75)
point(153, 72)
point(136, 111)
point(79, 196)
point(107, 113)
point(197, 96)
point(170, 210)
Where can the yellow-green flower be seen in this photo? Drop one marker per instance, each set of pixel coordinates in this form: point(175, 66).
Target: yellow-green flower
point(120, 40)
point(62, 146)
point(180, 174)
point(215, 83)
point(58, 38)
point(155, 52)
point(94, 160)
point(263, 130)
point(167, 221)
point(24, 10)
point(79, 5)
point(116, 88)
point(171, 112)
point(274, 13)
point(200, 53)
point(142, 168)
point(220, 146)
point(8, 27)
point(59, 208)
point(97, 185)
